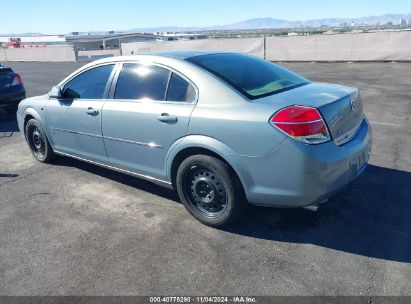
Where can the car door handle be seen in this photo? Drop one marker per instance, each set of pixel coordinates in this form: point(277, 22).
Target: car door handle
point(90, 111)
point(166, 118)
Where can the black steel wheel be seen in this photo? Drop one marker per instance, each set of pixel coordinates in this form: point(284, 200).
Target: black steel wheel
point(205, 191)
point(38, 142)
point(210, 190)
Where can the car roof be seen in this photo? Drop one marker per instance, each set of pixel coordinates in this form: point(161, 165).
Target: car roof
point(185, 54)
point(5, 69)
point(179, 55)
point(165, 56)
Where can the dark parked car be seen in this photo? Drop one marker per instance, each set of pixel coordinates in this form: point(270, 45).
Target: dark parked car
point(12, 90)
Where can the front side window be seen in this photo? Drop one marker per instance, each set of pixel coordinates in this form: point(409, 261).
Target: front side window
point(252, 76)
point(90, 84)
point(138, 81)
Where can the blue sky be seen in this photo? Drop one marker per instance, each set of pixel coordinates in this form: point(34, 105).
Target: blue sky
point(51, 16)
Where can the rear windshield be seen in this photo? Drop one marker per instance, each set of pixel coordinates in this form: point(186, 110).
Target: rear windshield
point(252, 76)
point(5, 70)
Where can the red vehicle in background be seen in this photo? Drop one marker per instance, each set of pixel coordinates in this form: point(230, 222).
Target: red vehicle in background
point(14, 43)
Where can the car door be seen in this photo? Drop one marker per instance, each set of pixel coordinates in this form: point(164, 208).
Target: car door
point(149, 110)
point(74, 121)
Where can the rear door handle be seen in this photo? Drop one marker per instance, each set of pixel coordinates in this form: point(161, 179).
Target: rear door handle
point(166, 118)
point(90, 111)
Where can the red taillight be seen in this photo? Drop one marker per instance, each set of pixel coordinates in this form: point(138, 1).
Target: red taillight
point(17, 80)
point(304, 124)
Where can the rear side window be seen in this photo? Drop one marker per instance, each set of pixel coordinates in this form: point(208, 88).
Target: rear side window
point(90, 84)
point(137, 81)
point(180, 90)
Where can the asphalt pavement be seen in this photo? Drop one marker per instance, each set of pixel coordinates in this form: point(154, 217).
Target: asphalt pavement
point(70, 228)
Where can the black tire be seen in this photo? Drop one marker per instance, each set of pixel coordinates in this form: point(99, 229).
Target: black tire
point(38, 142)
point(210, 190)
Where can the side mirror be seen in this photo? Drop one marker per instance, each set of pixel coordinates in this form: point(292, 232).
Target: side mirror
point(56, 92)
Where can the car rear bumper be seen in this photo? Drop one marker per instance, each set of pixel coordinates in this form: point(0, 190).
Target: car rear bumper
point(298, 175)
point(12, 97)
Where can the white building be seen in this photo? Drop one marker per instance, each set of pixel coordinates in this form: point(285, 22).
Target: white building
point(179, 36)
point(106, 41)
point(30, 41)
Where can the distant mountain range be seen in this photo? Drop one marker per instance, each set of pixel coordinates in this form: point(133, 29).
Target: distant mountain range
point(272, 23)
point(267, 23)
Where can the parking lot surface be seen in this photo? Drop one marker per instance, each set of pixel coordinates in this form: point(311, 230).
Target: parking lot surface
point(70, 228)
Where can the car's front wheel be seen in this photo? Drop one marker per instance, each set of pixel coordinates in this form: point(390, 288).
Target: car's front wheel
point(38, 142)
point(210, 190)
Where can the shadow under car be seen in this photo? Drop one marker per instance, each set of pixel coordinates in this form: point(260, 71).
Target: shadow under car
point(370, 217)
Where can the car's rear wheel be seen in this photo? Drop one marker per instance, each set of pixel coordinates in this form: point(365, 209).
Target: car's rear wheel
point(210, 190)
point(38, 142)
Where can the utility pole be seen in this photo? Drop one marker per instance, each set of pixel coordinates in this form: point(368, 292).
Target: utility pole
point(5, 54)
point(119, 45)
point(265, 46)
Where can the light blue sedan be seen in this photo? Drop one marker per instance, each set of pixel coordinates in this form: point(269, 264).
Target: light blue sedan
point(223, 129)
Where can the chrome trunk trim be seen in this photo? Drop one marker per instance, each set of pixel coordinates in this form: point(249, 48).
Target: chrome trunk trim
point(349, 135)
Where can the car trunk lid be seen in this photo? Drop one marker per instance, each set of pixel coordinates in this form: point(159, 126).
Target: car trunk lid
point(340, 106)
